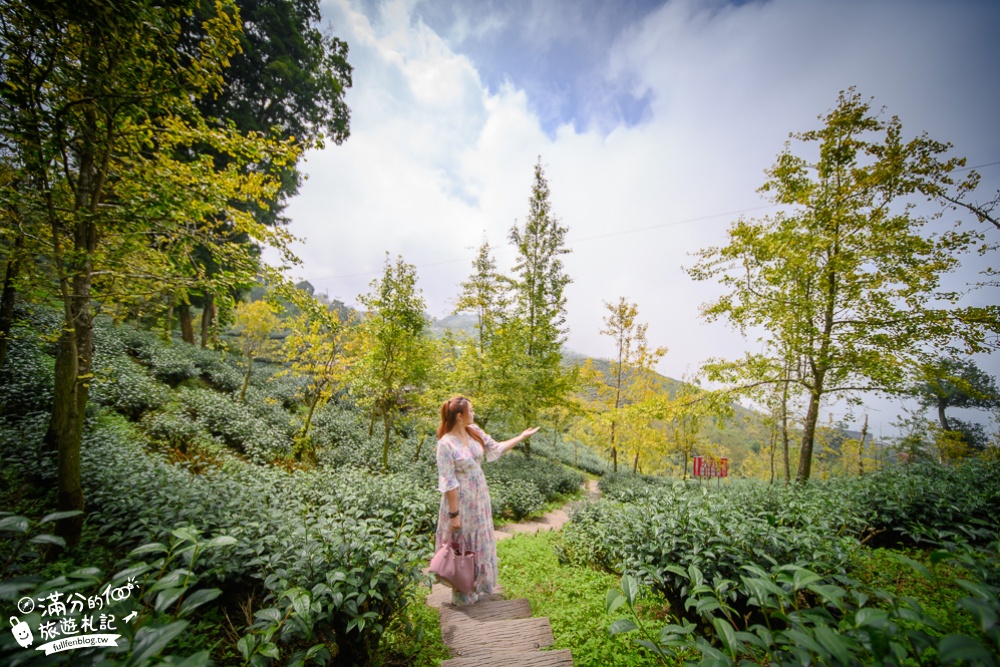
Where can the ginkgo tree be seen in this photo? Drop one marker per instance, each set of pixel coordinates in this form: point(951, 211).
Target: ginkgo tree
point(256, 322)
point(96, 112)
point(316, 349)
point(847, 279)
point(624, 392)
point(393, 352)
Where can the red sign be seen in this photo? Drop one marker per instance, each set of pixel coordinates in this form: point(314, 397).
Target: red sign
point(710, 466)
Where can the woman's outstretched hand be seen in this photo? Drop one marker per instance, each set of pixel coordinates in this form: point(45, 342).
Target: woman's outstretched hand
point(528, 432)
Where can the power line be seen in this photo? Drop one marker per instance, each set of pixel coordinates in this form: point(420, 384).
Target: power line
point(625, 231)
point(577, 240)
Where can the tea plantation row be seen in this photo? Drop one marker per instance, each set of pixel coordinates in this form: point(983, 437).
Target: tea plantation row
point(757, 573)
point(307, 564)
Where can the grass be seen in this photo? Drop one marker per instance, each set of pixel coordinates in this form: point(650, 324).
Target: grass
point(414, 639)
point(938, 596)
point(572, 598)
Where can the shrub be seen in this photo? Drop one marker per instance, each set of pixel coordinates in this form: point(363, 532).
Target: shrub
point(574, 454)
point(235, 424)
point(121, 384)
point(515, 499)
point(339, 553)
point(26, 380)
point(549, 478)
point(167, 596)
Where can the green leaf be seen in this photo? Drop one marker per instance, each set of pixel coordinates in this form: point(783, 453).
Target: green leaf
point(49, 539)
point(185, 534)
point(58, 516)
point(220, 541)
point(630, 587)
point(955, 648)
point(614, 600)
point(835, 644)
point(763, 589)
point(166, 598)
point(246, 645)
point(803, 578)
point(14, 524)
point(11, 589)
point(150, 640)
point(198, 598)
point(829, 594)
point(271, 614)
point(877, 618)
point(270, 650)
point(622, 625)
point(151, 548)
point(727, 634)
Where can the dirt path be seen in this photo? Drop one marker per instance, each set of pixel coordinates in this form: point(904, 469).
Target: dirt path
point(554, 520)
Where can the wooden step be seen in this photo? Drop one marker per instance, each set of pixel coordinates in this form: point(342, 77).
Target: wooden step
point(474, 638)
point(440, 597)
point(527, 659)
point(498, 610)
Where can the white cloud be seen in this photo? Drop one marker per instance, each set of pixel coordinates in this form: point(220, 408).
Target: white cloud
point(436, 161)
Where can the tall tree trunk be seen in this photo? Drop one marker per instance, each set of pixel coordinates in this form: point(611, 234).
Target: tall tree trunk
point(941, 416)
point(385, 444)
point(774, 448)
point(72, 369)
point(784, 423)
point(808, 438)
point(207, 320)
point(861, 448)
point(184, 315)
point(246, 380)
point(309, 417)
point(416, 455)
point(168, 325)
point(614, 449)
point(635, 466)
point(9, 297)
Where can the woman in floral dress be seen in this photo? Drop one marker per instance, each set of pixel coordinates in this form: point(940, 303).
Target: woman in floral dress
point(465, 500)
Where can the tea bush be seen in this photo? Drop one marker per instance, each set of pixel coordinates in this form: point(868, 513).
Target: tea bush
point(574, 454)
point(550, 478)
point(121, 384)
point(912, 504)
point(236, 423)
point(167, 594)
point(763, 572)
point(26, 380)
point(339, 556)
point(515, 499)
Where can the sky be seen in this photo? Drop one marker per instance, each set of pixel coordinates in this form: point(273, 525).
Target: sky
point(654, 122)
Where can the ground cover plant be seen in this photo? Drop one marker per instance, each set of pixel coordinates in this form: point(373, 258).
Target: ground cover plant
point(776, 574)
point(571, 597)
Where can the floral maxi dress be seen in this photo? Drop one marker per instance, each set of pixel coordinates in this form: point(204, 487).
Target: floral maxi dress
point(458, 468)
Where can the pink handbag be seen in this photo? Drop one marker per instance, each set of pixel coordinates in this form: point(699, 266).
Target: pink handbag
point(455, 567)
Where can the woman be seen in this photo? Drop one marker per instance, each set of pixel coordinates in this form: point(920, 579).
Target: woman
point(465, 500)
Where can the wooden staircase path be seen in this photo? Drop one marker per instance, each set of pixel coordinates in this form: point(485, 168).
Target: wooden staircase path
point(495, 633)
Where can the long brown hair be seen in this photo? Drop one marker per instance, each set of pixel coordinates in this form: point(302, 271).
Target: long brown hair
point(450, 410)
